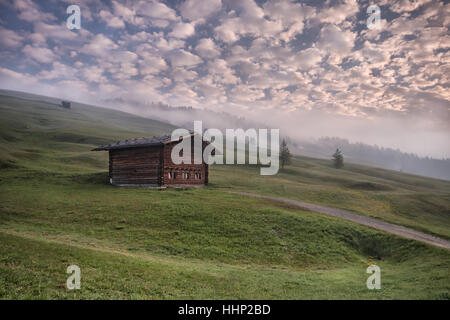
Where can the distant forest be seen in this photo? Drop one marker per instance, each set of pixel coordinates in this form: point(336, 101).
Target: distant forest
point(378, 156)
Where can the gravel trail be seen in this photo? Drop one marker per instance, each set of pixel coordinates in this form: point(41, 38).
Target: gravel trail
point(366, 221)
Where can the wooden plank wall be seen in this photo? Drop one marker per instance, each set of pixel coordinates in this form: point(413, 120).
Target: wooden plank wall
point(136, 165)
point(151, 166)
point(180, 168)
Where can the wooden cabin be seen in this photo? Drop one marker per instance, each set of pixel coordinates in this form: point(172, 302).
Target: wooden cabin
point(147, 162)
point(65, 104)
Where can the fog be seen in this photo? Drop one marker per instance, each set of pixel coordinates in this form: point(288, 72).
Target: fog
point(426, 135)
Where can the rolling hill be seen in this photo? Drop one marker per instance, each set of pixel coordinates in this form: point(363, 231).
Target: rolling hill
point(57, 209)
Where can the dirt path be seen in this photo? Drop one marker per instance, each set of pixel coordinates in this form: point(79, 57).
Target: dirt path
point(370, 222)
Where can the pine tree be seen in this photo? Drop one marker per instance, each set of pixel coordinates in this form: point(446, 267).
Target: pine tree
point(338, 159)
point(285, 154)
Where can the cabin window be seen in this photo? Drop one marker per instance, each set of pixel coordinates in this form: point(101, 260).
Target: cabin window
point(198, 175)
point(185, 175)
point(172, 175)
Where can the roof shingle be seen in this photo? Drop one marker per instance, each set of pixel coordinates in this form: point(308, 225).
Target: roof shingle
point(138, 142)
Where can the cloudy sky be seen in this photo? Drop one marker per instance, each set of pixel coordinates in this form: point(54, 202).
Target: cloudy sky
point(311, 68)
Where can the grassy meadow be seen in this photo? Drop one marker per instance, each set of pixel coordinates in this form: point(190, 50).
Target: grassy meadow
point(58, 209)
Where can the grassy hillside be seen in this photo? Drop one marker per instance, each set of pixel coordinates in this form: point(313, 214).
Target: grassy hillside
point(413, 201)
point(43, 136)
point(57, 209)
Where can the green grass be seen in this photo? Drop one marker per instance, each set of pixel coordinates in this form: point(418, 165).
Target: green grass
point(35, 269)
point(416, 202)
point(57, 209)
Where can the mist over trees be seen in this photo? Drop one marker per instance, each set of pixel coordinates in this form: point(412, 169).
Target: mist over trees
point(285, 154)
point(338, 159)
point(388, 158)
point(362, 153)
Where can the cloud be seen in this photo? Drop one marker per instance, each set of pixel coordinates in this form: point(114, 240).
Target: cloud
point(94, 74)
point(377, 56)
point(232, 29)
point(221, 72)
point(39, 54)
point(156, 10)
point(307, 58)
point(111, 20)
point(336, 42)
point(182, 75)
point(37, 38)
point(182, 30)
point(210, 91)
point(59, 31)
point(152, 65)
point(250, 20)
point(121, 14)
point(7, 74)
point(99, 45)
point(206, 48)
point(248, 9)
point(30, 11)
point(183, 58)
point(58, 71)
point(9, 38)
point(199, 9)
point(290, 14)
point(168, 45)
point(126, 13)
point(336, 14)
point(249, 57)
point(400, 6)
point(246, 94)
point(228, 31)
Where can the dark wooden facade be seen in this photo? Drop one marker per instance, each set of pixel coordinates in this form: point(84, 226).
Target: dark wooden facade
point(148, 163)
point(65, 104)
